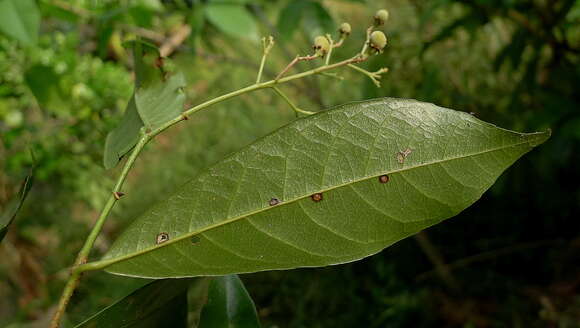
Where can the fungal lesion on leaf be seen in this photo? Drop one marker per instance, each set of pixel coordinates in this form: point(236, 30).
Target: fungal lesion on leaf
point(161, 238)
point(274, 201)
point(402, 155)
point(316, 197)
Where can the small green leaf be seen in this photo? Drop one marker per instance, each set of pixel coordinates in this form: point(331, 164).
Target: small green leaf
point(12, 208)
point(228, 305)
point(162, 303)
point(147, 61)
point(123, 137)
point(232, 19)
point(327, 189)
point(161, 101)
point(148, 80)
point(20, 19)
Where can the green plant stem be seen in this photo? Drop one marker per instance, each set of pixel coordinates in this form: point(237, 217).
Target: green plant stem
point(294, 107)
point(374, 76)
point(80, 264)
point(95, 231)
point(267, 44)
point(327, 60)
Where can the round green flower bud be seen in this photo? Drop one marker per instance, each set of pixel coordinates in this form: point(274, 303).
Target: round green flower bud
point(321, 45)
point(378, 41)
point(344, 29)
point(381, 17)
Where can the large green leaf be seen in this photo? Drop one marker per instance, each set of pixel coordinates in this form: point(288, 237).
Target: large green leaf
point(228, 305)
point(12, 208)
point(385, 169)
point(20, 19)
point(162, 303)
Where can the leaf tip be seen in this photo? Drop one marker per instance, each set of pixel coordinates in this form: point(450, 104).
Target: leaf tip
point(537, 138)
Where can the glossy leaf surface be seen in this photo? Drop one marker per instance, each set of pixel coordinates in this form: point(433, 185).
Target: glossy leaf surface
point(228, 305)
point(162, 303)
point(327, 189)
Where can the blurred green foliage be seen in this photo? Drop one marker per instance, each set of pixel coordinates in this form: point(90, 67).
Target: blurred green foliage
point(513, 256)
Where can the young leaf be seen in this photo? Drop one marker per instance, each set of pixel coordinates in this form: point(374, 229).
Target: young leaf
point(146, 59)
point(12, 208)
point(20, 20)
point(148, 80)
point(162, 303)
point(327, 189)
point(232, 19)
point(123, 137)
point(228, 305)
point(161, 101)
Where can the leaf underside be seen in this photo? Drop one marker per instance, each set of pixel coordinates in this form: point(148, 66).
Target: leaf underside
point(438, 162)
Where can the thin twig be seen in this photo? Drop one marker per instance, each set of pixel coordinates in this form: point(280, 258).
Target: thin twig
point(95, 231)
point(267, 46)
point(294, 107)
point(437, 260)
point(329, 54)
point(374, 76)
point(293, 62)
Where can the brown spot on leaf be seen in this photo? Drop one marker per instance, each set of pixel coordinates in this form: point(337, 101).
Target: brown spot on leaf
point(316, 197)
point(402, 155)
point(384, 178)
point(274, 202)
point(161, 238)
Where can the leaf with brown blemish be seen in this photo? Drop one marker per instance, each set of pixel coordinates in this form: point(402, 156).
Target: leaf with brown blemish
point(449, 159)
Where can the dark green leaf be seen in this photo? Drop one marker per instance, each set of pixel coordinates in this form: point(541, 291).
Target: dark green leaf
point(317, 20)
point(228, 305)
point(256, 210)
point(469, 21)
point(9, 213)
point(161, 101)
point(20, 20)
point(44, 84)
point(162, 303)
point(123, 137)
point(290, 18)
point(232, 19)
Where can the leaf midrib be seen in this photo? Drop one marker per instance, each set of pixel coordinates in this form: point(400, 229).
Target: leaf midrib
point(234, 219)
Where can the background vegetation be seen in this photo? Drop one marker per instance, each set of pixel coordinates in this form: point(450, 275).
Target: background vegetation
point(511, 260)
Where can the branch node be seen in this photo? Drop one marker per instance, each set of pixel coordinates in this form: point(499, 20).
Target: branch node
point(118, 195)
